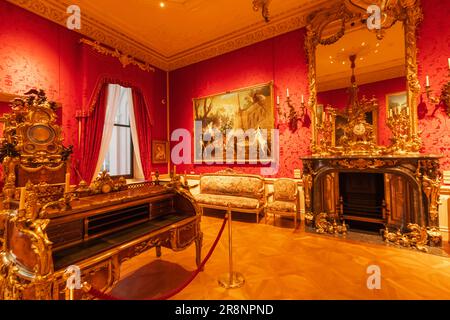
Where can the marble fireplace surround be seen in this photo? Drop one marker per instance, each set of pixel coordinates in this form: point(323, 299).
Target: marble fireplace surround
point(419, 174)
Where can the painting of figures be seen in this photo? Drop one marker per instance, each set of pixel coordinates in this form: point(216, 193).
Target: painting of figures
point(248, 110)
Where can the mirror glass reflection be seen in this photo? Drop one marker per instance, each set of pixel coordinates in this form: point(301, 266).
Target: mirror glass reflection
point(360, 69)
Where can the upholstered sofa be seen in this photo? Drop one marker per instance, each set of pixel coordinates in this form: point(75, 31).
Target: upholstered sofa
point(228, 188)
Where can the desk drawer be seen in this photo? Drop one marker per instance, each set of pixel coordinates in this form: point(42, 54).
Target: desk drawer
point(161, 207)
point(61, 234)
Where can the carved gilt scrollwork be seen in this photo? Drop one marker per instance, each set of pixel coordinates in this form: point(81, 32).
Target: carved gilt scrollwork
point(430, 177)
point(417, 237)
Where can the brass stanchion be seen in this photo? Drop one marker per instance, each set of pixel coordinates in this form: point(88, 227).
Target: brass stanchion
point(70, 294)
point(232, 279)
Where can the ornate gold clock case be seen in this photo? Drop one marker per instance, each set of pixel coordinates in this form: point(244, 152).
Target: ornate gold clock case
point(32, 145)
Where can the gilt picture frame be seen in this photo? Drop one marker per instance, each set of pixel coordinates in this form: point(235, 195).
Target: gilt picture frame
point(160, 152)
point(245, 108)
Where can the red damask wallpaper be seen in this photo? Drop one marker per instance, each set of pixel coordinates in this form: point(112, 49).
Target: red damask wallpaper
point(281, 59)
point(434, 51)
point(37, 53)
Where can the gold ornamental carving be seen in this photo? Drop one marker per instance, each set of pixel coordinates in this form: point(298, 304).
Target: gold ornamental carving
point(125, 59)
point(362, 164)
point(31, 145)
point(417, 237)
point(430, 178)
point(324, 223)
point(105, 184)
point(262, 5)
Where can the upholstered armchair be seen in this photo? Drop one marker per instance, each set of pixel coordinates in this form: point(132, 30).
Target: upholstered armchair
point(285, 200)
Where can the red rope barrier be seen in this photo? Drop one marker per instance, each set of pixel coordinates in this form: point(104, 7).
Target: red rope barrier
point(104, 296)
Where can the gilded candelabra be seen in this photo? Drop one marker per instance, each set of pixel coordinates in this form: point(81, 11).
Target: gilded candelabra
point(325, 128)
point(400, 124)
point(444, 98)
point(292, 116)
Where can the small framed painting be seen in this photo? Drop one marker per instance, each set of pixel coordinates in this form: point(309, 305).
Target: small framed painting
point(160, 151)
point(396, 100)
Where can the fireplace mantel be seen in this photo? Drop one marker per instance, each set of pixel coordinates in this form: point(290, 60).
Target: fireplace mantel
point(420, 172)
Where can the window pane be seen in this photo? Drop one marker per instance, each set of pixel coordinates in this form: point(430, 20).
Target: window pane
point(123, 114)
point(118, 160)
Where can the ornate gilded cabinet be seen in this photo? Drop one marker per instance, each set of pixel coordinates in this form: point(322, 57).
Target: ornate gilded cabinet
point(31, 147)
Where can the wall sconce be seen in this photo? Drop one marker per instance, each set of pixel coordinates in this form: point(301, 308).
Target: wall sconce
point(262, 5)
point(444, 99)
point(291, 116)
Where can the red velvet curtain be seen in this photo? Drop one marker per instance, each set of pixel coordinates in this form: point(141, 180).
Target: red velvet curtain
point(143, 128)
point(92, 128)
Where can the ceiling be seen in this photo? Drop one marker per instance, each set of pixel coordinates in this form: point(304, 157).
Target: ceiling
point(181, 25)
point(376, 60)
point(181, 33)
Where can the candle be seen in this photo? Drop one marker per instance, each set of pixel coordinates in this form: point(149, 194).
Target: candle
point(449, 63)
point(303, 99)
point(22, 198)
point(67, 185)
point(278, 100)
point(287, 92)
point(428, 81)
point(323, 117)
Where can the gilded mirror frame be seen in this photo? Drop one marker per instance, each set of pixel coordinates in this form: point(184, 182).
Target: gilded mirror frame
point(409, 13)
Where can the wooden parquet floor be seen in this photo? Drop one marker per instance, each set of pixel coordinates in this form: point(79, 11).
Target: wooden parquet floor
point(281, 264)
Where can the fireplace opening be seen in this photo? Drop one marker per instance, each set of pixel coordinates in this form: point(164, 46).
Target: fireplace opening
point(362, 195)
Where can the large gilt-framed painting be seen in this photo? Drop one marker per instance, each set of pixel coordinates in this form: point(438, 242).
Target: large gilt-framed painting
point(220, 120)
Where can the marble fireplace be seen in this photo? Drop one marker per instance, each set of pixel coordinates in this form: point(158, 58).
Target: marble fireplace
point(382, 191)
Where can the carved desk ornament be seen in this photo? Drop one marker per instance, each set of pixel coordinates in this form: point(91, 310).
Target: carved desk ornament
point(31, 149)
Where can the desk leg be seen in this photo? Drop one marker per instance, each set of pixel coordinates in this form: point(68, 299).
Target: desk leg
point(198, 250)
point(158, 251)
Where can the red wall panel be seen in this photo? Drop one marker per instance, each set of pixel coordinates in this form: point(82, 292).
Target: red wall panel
point(281, 59)
point(37, 53)
point(434, 51)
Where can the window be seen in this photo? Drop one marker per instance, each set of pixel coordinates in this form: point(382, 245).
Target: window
point(119, 157)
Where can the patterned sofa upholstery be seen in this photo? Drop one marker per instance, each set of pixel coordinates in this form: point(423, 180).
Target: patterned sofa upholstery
point(242, 192)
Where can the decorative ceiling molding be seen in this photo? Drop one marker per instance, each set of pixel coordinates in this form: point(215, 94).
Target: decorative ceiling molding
point(123, 58)
point(56, 11)
point(107, 36)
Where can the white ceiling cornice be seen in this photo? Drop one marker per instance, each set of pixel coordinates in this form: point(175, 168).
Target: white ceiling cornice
point(282, 23)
